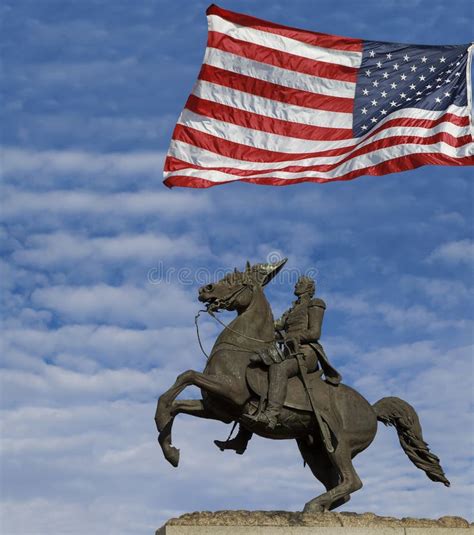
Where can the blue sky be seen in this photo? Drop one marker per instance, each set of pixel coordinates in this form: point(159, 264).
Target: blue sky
point(91, 92)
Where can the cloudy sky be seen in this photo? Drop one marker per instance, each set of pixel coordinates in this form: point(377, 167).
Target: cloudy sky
point(101, 264)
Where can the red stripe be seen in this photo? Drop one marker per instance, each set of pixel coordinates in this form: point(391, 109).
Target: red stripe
point(284, 60)
point(174, 164)
point(276, 92)
point(247, 119)
point(247, 153)
point(305, 36)
point(239, 151)
point(396, 165)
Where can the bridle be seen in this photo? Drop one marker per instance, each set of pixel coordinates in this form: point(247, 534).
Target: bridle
point(225, 303)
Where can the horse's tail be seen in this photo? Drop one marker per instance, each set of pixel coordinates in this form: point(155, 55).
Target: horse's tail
point(396, 412)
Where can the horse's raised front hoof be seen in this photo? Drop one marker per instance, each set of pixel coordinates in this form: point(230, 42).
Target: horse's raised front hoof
point(170, 452)
point(171, 455)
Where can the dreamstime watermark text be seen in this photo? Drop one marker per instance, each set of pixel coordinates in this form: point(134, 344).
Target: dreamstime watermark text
point(187, 276)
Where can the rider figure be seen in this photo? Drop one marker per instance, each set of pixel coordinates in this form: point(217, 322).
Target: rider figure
point(299, 330)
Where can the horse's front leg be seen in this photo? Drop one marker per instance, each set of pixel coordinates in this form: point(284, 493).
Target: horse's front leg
point(219, 385)
point(195, 407)
point(192, 407)
point(214, 384)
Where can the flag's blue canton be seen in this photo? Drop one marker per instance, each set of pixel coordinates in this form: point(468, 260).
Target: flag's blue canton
point(394, 76)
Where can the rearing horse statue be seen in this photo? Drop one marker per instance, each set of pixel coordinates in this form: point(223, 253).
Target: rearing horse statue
point(232, 388)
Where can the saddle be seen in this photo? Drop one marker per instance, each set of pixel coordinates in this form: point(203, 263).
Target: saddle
point(296, 395)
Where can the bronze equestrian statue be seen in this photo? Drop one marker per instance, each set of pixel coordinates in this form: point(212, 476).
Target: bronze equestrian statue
point(281, 394)
point(298, 330)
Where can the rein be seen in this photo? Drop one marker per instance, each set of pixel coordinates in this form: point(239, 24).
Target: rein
point(211, 313)
point(196, 318)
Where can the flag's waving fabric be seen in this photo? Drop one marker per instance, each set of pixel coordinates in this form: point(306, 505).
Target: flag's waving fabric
point(277, 105)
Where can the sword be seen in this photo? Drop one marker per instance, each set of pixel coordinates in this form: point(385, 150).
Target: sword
point(325, 433)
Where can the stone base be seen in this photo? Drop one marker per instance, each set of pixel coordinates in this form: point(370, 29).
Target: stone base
point(286, 523)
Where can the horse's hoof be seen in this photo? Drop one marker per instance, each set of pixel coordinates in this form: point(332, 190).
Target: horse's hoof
point(172, 456)
point(314, 508)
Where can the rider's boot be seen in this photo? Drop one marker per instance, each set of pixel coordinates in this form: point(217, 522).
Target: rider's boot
point(269, 416)
point(278, 381)
point(238, 444)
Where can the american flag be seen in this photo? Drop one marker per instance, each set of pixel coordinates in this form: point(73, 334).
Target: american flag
point(276, 105)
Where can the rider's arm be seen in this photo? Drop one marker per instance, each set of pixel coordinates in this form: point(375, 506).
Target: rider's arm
point(315, 321)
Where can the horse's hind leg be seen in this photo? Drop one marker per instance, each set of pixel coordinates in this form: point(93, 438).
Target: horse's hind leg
point(335, 471)
point(317, 458)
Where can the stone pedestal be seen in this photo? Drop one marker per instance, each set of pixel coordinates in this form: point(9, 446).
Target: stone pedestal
point(286, 523)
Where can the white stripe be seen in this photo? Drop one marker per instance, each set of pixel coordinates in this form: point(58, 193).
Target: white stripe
point(276, 142)
point(361, 162)
point(271, 108)
point(255, 138)
point(418, 113)
point(284, 44)
point(204, 158)
point(277, 75)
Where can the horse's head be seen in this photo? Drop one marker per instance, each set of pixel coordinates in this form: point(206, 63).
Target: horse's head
point(236, 290)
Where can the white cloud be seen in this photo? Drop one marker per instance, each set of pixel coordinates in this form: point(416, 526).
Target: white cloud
point(48, 250)
point(354, 304)
point(67, 450)
point(56, 385)
point(454, 252)
point(150, 306)
point(451, 218)
point(363, 307)
point(443, 292)
point(21, 161)
point(414, 316)
point(72, 346)
point(19, 204)
point(41, 516)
